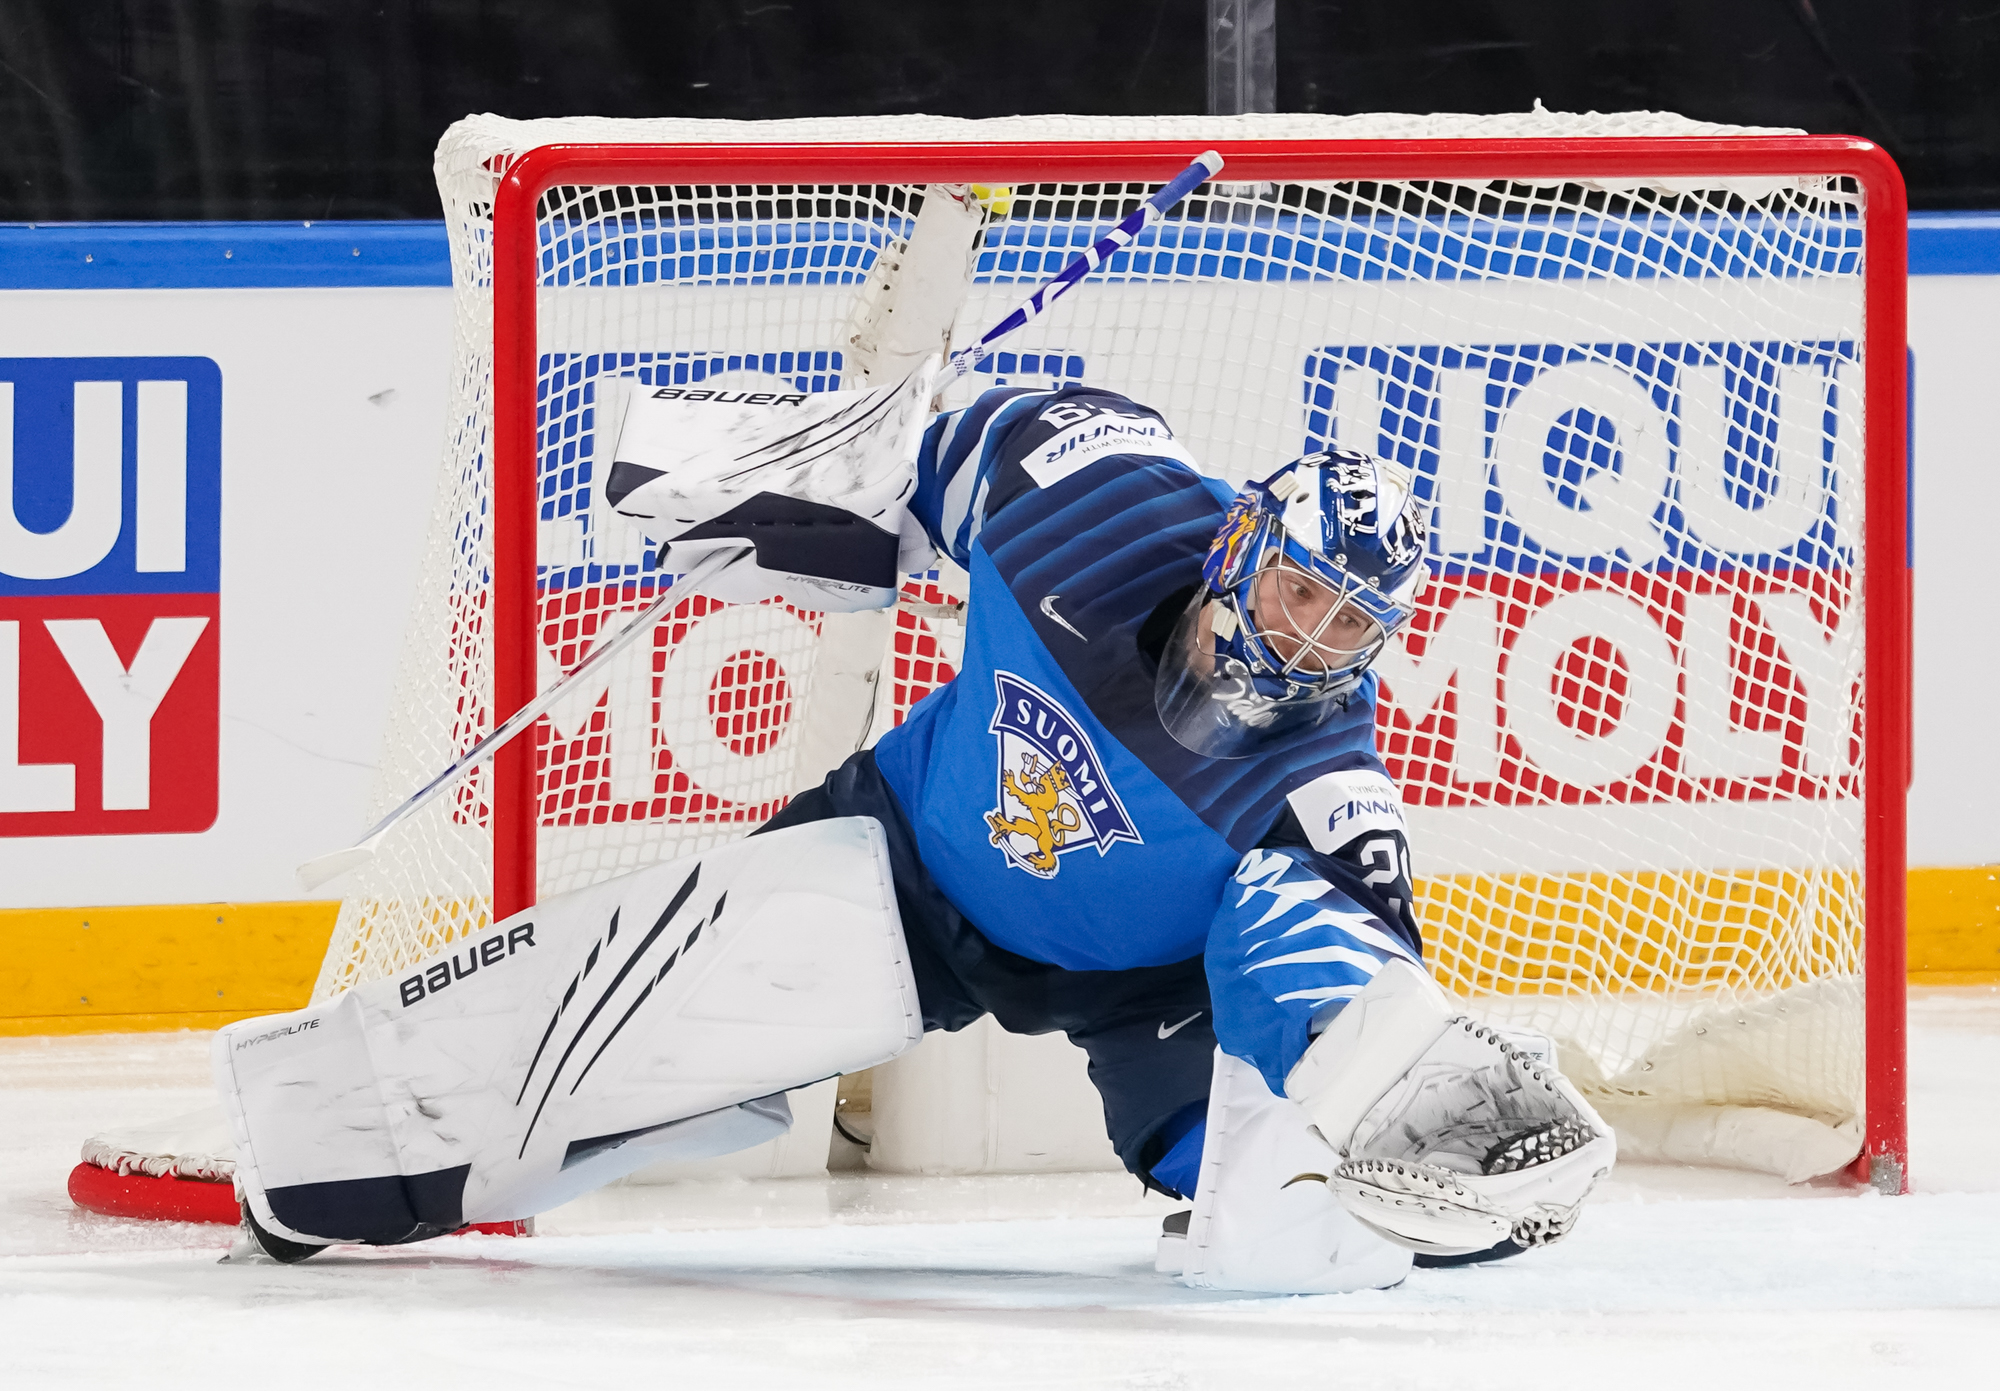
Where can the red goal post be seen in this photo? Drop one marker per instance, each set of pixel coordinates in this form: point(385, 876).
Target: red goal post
point(517, 284)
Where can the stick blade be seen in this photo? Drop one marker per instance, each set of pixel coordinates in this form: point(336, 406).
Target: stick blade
point(314, 873)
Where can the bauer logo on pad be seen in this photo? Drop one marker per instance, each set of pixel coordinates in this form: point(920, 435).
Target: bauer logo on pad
point(1053, 794)
point(110, 616)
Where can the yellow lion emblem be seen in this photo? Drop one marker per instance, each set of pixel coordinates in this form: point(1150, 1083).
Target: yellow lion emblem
point(1048, 822)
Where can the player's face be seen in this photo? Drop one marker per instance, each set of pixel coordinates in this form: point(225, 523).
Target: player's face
point(1308, 624)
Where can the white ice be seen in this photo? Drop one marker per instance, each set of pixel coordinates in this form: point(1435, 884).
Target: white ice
point(1678, 1278)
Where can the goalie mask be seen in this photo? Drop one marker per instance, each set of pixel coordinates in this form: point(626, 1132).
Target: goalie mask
point(1312, 571)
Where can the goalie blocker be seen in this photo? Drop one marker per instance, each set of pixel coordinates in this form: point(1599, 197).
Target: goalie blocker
point(819, 485)
point(660, 1015)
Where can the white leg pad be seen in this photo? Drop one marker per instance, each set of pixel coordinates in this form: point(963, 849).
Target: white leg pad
point(655, 1016)
point(1250, 1231)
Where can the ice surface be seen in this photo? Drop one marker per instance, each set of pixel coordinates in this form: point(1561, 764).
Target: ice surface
point(1678, 1278)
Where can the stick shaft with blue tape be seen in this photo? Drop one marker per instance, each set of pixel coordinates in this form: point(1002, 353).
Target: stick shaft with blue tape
point(1205, 167)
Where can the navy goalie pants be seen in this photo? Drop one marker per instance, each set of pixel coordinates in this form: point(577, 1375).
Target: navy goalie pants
point(1148, 1030)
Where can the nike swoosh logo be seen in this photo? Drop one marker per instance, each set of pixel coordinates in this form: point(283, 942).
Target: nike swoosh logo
point(1165, 1032)
point(1049, 609)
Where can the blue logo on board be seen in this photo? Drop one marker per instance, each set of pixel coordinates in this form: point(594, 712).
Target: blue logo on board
point(110, 475)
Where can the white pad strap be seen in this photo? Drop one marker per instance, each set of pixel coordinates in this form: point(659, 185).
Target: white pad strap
point(658, 1015)
point(1254, 1229)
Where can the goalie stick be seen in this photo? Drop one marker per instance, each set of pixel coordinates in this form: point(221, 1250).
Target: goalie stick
point(313, 873)
point(316, 872)
point(1206, 166)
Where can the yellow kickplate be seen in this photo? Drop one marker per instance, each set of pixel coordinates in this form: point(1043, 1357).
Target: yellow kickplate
point(184, 966)
point(1651, 931)
point(1955, 926)
point(200, 966)
point(1690, 930)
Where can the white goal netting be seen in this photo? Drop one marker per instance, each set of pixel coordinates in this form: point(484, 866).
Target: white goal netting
point(1626, 723)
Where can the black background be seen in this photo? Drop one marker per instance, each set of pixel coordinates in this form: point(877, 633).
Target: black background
point(314, 109)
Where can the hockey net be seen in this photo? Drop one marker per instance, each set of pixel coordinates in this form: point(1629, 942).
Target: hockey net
point(1638, 362)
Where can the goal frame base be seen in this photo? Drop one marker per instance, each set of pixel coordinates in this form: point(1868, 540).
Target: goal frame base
point(170, 1198)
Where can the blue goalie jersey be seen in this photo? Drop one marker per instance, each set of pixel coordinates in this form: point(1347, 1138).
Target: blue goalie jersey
point(1048, 801)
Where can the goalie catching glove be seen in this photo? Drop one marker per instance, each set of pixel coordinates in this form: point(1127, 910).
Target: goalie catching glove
point(819, 484)
point(1450, 1137)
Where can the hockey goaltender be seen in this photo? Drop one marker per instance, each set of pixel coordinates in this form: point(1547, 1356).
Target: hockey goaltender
point(1148, 812)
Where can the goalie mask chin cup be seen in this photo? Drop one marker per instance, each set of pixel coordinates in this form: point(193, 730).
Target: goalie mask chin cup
point(1243, 671)
point(1211, 702)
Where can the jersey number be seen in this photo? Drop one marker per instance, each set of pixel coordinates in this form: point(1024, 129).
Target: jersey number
point(1391, 861)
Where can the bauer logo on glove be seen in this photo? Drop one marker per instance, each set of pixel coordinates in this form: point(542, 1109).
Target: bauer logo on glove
point(818, 484)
